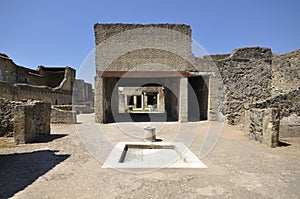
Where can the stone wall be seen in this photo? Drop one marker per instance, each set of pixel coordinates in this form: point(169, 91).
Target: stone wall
point(24, 92)
point(289, 106)
point(286, 72)
point(151, 49)
point(83, 96)
point(290, 126)
point(31, 121)
point(251, 75)
point(53, 85)
point(104, 31)
point(247, 77)
point(263, 125)
point(62, 116)
point(6, 116)
point(143, 47)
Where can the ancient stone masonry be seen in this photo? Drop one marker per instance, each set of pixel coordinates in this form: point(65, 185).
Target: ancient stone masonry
point(7, 116)
point(32, 121)
point(63, 114)
point(147, 55)
point(263, 125)
point(134, 55)
point(286, 72)
point(83, 97)
point(53, 85)
point(288, 104)
point(247, 77)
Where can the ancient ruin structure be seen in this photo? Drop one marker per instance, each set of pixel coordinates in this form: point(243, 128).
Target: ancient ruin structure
point(53, 85)
point(251, 87)
point(25, 121)
point(22, 116)
point(155, 55)
point(83, 97)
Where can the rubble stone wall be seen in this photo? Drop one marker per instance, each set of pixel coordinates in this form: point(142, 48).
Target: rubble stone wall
point(31, 121)
point(6, 116)
point(263, 125)
point(289, 106)
point(247, 77)
point(53, 85)
point(63, 116)
point(18, 92)
point(286, 72)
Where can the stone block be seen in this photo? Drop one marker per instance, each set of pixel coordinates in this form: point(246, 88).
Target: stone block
point(63, 116)
point(31, 121)
point(271, 127)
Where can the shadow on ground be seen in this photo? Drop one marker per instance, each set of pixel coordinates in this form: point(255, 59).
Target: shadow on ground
point(283, 143)
point(19, 170)
point(50, 138)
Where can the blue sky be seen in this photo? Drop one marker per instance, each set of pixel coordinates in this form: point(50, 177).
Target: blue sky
point(60, 32)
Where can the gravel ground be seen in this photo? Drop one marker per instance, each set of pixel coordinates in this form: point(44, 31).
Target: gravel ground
point(66, 166)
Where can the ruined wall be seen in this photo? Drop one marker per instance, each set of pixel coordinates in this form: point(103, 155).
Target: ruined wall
point(247, 77)
point(33, 121)
point(6, 116)
point(18, 92)
point(288, 105)
point(263, 125)
point(8, 70)
point(290, 126)
point(139, 47)
point(12, 73)
point(83, 95)
point(52, 85)
point(62, 116)
point(286, 72)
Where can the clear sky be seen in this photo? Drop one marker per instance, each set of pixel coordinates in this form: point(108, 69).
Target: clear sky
point(60, 32)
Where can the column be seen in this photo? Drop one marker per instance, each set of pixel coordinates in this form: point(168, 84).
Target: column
point(213, 99)
point(183, 108)
point(99, 106)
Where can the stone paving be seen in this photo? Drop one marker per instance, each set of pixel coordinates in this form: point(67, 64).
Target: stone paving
point(66, 166)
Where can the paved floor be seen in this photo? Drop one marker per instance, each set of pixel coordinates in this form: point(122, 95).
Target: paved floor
point(68, 165)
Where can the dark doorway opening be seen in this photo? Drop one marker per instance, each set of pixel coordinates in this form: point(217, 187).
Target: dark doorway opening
point(138, 101)
point(198, 98)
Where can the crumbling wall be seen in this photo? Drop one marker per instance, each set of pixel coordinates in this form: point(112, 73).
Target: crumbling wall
point(263, 125)
point(62, 116)
point(247, 77)
point(8, 70)
point(289, 106)
point(25, 92)
point(286, 72)
point(6, 116)
point(83, 97)
point(52, 85)
point(32, 121)
point(7, 91)
point(138, 48)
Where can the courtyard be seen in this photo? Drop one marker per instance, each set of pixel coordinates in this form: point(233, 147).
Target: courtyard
point(68, 165)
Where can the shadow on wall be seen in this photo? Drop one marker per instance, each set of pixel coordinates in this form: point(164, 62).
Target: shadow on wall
point(19, 170)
